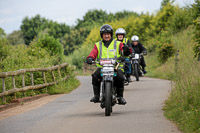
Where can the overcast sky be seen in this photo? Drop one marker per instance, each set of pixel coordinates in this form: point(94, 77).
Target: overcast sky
point(67, 11)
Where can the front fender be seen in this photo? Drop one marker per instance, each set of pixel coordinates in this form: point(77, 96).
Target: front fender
point(135, 62)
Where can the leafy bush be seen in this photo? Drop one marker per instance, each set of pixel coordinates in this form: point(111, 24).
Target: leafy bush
point(165, 51)
point(16, 37)
point(4, 51)
point(51, 45)
point(181, 19)
point(44, 51)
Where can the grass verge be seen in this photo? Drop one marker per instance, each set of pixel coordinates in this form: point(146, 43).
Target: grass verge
point(64, 87)
point(183, 104)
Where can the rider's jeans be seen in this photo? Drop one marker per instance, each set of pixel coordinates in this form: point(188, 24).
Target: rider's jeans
point(127, 66)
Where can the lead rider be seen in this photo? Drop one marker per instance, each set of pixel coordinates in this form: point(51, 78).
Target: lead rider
point(108, 48)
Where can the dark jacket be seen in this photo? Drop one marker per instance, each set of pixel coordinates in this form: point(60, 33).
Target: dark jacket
point(139, 48)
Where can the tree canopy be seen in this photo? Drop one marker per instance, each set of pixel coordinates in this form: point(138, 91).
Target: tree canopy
point(31, 27)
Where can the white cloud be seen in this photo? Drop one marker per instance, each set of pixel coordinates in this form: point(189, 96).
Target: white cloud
point(6, 11)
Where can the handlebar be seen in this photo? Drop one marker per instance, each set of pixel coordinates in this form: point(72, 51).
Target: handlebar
point(133, 54)
point(121, 59)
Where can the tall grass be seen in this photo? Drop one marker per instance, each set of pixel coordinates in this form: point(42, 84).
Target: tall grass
point(183, 104)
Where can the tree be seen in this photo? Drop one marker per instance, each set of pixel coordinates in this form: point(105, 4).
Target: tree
point(166, 2)
point(31, 27)
point(73, 40)
point(163, 17)
point(16, 37)
point(91, 18)
point(2, 33)
point(4, 48)
point(124, 14)
point(57, 30)
point(196, 9)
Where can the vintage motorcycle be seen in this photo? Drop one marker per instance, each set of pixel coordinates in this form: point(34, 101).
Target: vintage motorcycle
point(136, 69)
point(108, 95)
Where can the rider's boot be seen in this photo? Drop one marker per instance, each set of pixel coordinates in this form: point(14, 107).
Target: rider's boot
point(120, 98)
point(143, 70)
point(129, 78)
point(125, 80)
point(96, 90)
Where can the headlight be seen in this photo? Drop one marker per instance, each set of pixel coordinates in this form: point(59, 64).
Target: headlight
point(137, 56)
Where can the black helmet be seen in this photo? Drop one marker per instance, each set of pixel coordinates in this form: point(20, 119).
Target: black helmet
point(106, 29)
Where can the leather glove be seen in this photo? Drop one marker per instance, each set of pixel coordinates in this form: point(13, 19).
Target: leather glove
point(126, 50)
point(89, 60)
point(122, 59)
point(133, 54)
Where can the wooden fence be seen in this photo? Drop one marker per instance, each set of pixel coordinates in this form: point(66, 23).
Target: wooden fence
point(24, 88)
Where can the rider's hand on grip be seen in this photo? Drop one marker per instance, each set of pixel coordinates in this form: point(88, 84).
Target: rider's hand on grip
point(89, 60)
point(144, 52)
point(122, 59)
point(126, 50)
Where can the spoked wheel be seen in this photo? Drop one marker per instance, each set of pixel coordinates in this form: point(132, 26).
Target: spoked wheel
point(108, 99)
point(136, 72)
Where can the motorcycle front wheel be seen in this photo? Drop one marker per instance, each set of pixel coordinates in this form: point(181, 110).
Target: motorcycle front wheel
point(108, 99)
point(136, 71)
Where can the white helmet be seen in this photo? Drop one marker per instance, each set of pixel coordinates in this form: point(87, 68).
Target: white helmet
point(134, 38)
point(120, 31)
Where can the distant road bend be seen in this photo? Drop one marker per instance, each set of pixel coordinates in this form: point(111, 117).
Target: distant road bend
point(73, 113)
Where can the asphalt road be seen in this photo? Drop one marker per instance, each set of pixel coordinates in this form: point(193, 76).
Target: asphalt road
point(73, 113)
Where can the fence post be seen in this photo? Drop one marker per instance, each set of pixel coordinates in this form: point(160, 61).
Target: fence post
point(4, 89)
point(176, 60)
point(44, 77)
point(13, 83)
point(23, 83)
point(83, 68)
point(59, 73)
point(32, 80)
point(53, 76)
